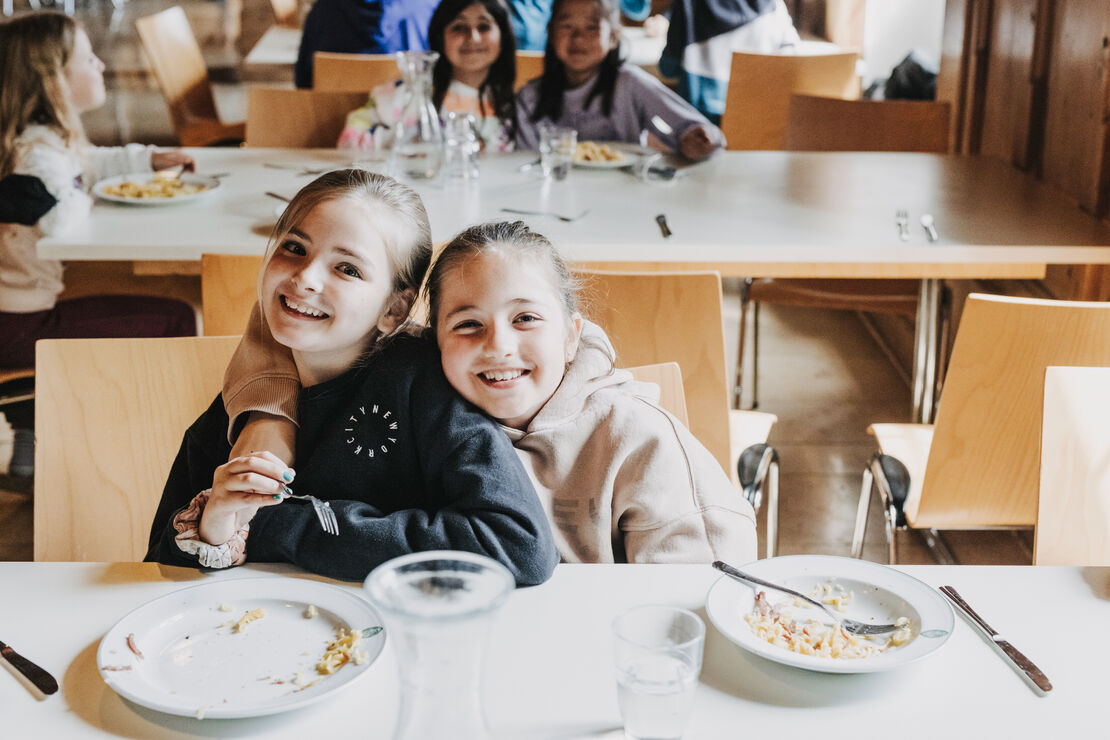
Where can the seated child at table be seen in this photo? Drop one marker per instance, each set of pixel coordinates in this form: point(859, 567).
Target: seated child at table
point(620, 478)
point(404, 462)
point(586, 86)
point(474, 74)
point(49, 75)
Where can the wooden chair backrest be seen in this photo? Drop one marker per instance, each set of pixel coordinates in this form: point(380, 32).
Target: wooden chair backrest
point(818, 124)
point(984, 462)
point(1073, 508)
point(229, 289)
point(286, 13)
point(529, 65)
point(178, 65)
point(280, 117)
point(110, 415)
point(654, 317)
point(668, 376)
point(760, 85)
point(335, 72)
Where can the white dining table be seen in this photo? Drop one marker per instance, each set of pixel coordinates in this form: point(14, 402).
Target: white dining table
point(549, 669)
point(748, 214)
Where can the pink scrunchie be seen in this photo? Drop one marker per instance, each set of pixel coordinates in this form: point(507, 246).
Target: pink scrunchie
point(187, 524)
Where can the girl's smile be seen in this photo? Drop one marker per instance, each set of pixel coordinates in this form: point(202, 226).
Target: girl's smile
point(581, 38)
point(472, 43)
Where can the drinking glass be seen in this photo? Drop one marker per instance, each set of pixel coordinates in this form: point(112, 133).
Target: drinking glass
point(658, 651)
point(462, 146)
point(557, 147)
point(438, 607)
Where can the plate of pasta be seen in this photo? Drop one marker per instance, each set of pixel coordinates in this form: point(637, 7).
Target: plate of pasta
point(783, 629)
point(241, 647)
point(152, 189)
point(603, 156)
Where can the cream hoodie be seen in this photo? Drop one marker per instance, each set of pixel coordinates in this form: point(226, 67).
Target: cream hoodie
point(624, 481)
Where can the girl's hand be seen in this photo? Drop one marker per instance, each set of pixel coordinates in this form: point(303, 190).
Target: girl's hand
point(696, 144)
point(165, 160)
point(240, 487)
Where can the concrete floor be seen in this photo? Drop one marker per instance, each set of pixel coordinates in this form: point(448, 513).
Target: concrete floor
point(821, 372)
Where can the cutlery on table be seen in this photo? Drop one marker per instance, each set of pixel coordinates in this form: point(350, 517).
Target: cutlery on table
point(42, 680)
point(849, 625)
point(559, 216)
point(528, 165)
point(1012, 653)
point(300, 168)
point(323, 510)
point(902, 218)
point(927, 224)
point(278, 196)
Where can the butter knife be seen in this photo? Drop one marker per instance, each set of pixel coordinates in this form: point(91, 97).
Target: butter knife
point(1012, 653)
point(40, 678)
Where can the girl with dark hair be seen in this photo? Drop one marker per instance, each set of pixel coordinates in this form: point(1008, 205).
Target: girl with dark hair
point(586, 86)
point(474, 74)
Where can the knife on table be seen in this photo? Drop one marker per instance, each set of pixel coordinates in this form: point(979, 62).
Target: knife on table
point(40, 678)
point(1014, 655)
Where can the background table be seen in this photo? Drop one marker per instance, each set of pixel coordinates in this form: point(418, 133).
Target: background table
point(549, 673)
point(757, 214)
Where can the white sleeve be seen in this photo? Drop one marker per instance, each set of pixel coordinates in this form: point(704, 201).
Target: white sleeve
point(58, 173)
point(108, 161)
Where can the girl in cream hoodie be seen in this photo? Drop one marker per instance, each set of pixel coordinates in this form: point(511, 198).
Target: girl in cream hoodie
point(622, 480)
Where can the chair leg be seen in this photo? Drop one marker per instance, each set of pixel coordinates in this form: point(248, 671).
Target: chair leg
point(755, 355)
point(938, 547)
point(745, 289)
point(773, 510)
point(863, 508)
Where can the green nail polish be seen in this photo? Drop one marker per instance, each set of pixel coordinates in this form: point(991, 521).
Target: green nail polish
point(276, 497)
point(287, 476)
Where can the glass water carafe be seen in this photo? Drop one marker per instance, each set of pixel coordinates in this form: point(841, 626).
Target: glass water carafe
point(418, 140)
point(438, 608)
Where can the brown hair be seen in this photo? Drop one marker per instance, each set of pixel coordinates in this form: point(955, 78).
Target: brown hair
point(34, 48)
point(409, 248)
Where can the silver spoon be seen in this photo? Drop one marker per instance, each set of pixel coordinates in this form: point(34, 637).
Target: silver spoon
point(927, 223)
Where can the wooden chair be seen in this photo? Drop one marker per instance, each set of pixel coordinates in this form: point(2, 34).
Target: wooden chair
point(178, 65)
point(335, 72)
point(832, 124)
point(286, 13)
point(229, 289)
point(529, 65)
point(668, 376)
point(819, 124)
point(280, 117)
point(757, 103)
point(656, 317)
point(17, 386)
point(109, 418)
point(1073, 507)
point(978, 466)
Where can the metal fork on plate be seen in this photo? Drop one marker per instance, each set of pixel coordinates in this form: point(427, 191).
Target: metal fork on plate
point(323, 511)
point(902, 218)
point(849, 625)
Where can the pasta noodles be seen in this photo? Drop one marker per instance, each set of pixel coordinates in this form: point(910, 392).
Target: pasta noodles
point(341, 651)
point(159, 187)
point(592, 151)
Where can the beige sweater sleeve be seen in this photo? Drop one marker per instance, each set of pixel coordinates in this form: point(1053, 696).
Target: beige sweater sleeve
point(260, 377)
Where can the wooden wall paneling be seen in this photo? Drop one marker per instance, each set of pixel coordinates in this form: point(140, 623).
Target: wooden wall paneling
point(952, 78)
point(1007, 103)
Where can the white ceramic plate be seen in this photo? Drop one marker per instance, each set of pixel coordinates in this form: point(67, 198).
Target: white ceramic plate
point(194, 665)
point(880, 595)
point(629, 156)
point(211, 184)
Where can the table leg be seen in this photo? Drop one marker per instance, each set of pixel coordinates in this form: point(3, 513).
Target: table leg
point(925, 350)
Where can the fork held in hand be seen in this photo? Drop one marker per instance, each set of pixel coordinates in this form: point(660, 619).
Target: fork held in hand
point(849, 625)
point(902, 218)
point(322, 508)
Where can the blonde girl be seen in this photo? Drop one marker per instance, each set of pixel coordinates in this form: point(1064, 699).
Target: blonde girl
point(587, 87)
point(620, 478)
point(404, 462)
point(49, 75)
point(474, 74)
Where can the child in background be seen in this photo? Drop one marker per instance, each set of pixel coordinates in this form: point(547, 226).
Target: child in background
point(622, 480)
point(474, 74)
point(585, 86)
point(48, 76)
point(405, 463)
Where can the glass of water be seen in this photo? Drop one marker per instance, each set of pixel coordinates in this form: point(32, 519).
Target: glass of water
point(557, 145)
point(658, 652)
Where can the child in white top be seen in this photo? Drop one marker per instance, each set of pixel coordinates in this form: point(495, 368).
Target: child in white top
point(587, 87)
point(48, 76)
point(474, 74)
